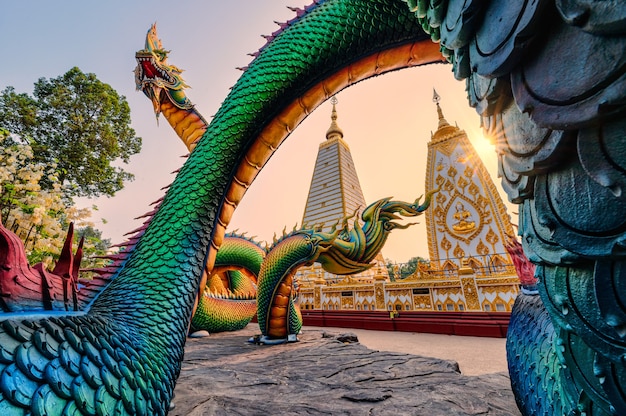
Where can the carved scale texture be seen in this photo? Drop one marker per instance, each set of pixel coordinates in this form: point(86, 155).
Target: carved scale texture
point(80, 366)
point(239, 281)
point(590, 317)
point(240, 252)
point(217, 314)
point(532, 359)
point(147, 307)
point(548, 78)
point(275, 306)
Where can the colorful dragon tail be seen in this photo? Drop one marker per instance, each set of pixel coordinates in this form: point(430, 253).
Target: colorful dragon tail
point(278, 315)
point(228, 301)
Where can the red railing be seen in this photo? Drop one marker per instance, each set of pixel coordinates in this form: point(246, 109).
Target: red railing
point(479, 324)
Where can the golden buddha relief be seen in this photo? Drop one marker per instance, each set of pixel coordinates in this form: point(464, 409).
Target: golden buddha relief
point(462, 218)
point(464, 223)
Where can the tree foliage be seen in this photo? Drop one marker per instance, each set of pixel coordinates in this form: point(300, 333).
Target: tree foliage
point(77, 124)
point(38, 216)
point(94, 246)
point(401, 271)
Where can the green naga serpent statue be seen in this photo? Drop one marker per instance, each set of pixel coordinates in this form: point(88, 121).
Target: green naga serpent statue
point(342, 251)
point(227, 301)
point(547, 78)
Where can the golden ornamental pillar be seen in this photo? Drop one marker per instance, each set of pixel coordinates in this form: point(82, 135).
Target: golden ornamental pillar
point(320, 282)
point(469, 287)
point(379, 291)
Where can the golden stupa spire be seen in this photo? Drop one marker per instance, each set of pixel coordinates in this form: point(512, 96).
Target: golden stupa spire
point(334, 129)
point(442, 121)
point(444, 129)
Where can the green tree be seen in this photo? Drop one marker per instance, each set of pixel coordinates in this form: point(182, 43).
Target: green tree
point(403, 270)
point(39, 217)
point(94, 247)
point(78, 124)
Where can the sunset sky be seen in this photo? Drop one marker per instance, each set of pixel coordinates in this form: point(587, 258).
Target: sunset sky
point(386, 121)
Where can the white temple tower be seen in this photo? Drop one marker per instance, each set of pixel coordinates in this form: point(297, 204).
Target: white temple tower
point(335, 193)
point(467, 220)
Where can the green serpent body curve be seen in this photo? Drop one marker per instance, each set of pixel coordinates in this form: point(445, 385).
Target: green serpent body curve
point(277, 315)
point(230, 305)
point(215, 314)
point(238, 253)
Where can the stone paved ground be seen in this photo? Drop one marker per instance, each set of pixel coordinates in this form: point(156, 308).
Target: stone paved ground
point(324, 374)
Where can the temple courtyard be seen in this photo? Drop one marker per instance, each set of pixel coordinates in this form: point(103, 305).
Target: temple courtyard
point(339, 371)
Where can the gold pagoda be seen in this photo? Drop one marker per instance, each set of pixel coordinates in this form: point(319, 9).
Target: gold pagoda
point(334, 194)
point(467, 228)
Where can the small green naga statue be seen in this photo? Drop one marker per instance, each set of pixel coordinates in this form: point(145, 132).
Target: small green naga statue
point(348, 250)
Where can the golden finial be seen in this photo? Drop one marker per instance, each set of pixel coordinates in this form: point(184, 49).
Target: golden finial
point(442, 121)
point(334, 129)
point(436, 97)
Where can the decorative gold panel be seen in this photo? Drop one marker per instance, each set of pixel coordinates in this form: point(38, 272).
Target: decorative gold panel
point(462, 183)
point(458, 252)
point(471, 293)
point(491, 237)
point(347, 302)
point(380, 296)
point(482, 249)
point(318, 297)
point(446, 244)
point(422, 303)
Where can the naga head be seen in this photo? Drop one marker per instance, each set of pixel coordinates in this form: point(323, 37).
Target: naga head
point(309, 243)
point(319, 241)
point(356, 247)
point(156, 78)
point(384, 211)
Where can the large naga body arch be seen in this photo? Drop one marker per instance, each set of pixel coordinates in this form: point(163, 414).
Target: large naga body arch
point(413, 51)
point(298, 103)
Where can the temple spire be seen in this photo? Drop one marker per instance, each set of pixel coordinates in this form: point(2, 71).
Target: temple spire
point(334, 129)
point(467, 220)
point(335, 195)
point(442, 121)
